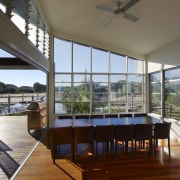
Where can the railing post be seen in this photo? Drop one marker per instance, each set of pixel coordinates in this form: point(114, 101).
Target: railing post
point(170, 110)
point(9, 103)
point(22, 97)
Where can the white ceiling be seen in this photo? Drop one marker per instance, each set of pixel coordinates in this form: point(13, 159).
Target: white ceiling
point(158, 24)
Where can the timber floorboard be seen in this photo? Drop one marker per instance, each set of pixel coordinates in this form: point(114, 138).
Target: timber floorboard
point(123, 167)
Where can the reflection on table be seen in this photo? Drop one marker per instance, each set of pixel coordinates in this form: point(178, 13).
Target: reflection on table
point(105, 121)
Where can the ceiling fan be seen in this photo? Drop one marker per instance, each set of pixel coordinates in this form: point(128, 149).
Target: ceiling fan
point(121, 9)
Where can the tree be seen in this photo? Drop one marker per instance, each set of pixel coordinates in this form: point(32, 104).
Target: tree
point(10, 88)
point(25, 89)
point(37, 87)
point(2, 87)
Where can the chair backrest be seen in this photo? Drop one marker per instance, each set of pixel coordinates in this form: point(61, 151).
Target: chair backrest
point(92, 116)
point(143, 131)
point(124, 132)
point(104, 133)
point(111, 115)
point(63, 135)
point(162, 130)
point(84, 134)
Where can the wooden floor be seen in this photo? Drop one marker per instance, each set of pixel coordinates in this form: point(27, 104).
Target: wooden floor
point(124, 166)
point(15, 144)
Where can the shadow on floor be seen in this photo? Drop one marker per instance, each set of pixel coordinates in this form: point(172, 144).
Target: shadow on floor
point(7, 163)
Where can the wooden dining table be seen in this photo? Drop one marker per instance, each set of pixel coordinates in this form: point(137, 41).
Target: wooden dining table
point(105, 121)
point(61, 123)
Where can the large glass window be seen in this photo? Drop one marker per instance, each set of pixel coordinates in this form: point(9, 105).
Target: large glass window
point(135, 93)
point(172, 93)
point(155, 93)
point(117, 63)
point(62, 56)
point(92, 80)
point(99, 61)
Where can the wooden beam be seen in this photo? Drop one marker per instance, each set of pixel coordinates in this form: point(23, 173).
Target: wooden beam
point(14, 63)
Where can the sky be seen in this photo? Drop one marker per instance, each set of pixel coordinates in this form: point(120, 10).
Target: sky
point(21, 77)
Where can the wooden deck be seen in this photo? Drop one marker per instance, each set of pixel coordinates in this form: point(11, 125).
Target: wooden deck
point(40, 165)
point(15, 144)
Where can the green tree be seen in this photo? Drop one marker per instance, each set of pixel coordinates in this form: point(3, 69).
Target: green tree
point(11, 88)
point(25, 89)
point(37, 87)
point(2, 87)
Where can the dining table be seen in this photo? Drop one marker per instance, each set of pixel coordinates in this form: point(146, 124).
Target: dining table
point(105, 121)
point(84, 122)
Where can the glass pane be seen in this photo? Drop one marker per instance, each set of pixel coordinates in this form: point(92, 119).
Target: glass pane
point(155, 77)
point(81, 107)
point(100, 78)
point(156, 103)
point(140, 67)
point(135, 103)
point(62, 98)
point(117, 107)
point(63, 78)
point(33, 25)
point(46, 44)
point(99, 107)
point(135, 84)
point(62, 55)
point(18, 14)
point(81, 58)
point(117, 94)
point(85, 78)
point(172, 74)
point(41, 36)
point(135, 66)
point(172, 99)
point(99, 60)
point(117, 63)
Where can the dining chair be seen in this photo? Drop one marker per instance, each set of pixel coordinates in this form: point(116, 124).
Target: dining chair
point(62, 136)
point(142, 133)
point(124, 133)
point(162, 131)
point(105, 135)
point(84, 135)
point(111, 115)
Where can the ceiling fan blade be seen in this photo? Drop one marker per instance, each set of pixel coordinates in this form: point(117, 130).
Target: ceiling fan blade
point(129, 4)
point(109, 21)
point(130, 17)
point(104, 8)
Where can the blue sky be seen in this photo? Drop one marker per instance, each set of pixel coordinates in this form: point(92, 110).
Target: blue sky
point(21, 77)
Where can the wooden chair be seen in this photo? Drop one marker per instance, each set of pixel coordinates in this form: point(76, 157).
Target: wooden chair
point(105, 135)
point(92, 116)
point(162, 131)
point(62, 135)
point(111, 115)
point(142, 133)
point(124, 133)
point(84, 135)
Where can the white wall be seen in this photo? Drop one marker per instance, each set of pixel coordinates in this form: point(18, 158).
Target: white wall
point(167, 56)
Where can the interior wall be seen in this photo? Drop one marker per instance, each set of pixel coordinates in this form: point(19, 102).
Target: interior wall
point(165, 57)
